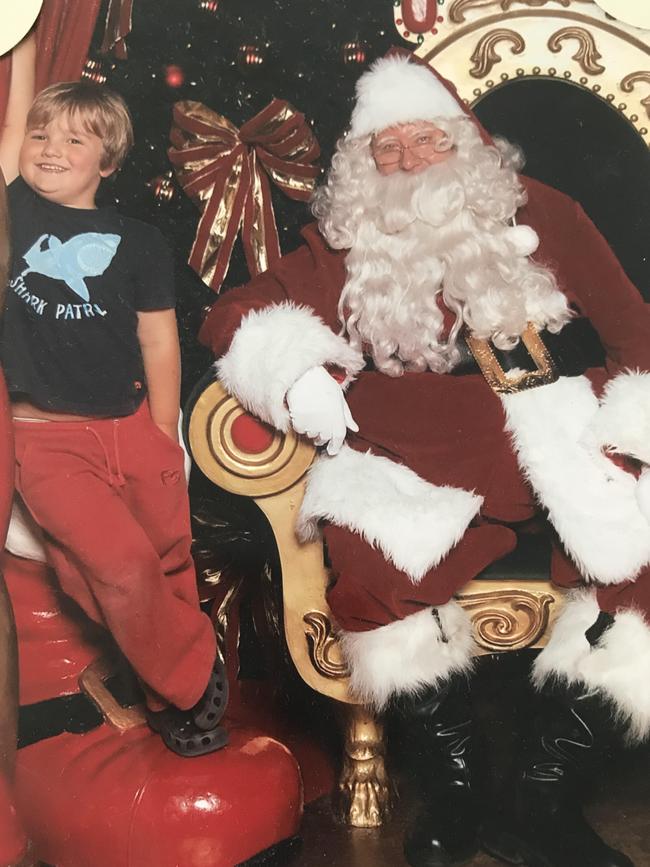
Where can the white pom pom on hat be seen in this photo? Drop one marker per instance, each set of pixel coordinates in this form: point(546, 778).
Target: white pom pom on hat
point(523, 239)
point(395, 90)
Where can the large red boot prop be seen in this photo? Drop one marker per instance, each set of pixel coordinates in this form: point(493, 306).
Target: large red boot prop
point(120, 798)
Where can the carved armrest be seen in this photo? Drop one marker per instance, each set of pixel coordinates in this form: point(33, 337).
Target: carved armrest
point(247, 457)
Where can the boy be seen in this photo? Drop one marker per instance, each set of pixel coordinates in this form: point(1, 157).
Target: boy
point(90, 351)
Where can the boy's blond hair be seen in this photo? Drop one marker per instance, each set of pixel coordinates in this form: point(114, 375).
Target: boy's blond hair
point(99, 110)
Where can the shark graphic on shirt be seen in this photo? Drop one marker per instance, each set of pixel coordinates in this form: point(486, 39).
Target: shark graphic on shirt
point(85, 255)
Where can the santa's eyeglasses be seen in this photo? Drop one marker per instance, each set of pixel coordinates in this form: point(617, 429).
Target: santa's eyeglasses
point(390, 153)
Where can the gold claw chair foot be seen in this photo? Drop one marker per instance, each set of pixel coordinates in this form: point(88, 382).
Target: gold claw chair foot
point(364, 795)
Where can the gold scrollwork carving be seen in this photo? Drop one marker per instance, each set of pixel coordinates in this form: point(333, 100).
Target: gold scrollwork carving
point(485, 55)
point(627, 86)
point(508, 619)
point(282, 461)
point(459, 7)
point(587, 54)
point(322, 645)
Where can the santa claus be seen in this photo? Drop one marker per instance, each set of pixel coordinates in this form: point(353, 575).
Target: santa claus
point(466, 349)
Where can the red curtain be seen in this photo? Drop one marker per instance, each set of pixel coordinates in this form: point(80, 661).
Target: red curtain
point(63, 32)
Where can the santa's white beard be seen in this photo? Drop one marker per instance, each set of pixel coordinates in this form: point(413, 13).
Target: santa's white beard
point(439, 232)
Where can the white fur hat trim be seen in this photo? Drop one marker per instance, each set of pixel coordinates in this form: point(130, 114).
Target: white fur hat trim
point(394, 91)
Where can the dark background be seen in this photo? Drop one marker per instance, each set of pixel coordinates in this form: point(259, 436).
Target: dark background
point(300, 43)
point(572, 139)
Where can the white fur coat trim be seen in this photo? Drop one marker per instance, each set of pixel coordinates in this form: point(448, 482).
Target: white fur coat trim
point(591, 502)
point(409, 654)
point(413, 522)
point(271, 349)
point(618, 667)
point(622, 424)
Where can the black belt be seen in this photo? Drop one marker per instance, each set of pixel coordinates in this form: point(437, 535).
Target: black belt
point(76, 714)
point(575, 349)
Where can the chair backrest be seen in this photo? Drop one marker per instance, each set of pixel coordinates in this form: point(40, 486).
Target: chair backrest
point(567, 83)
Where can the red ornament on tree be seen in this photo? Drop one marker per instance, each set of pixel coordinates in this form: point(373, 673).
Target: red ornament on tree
point(174, 75)
point(353, 53)
point(250, 54)
point(94, 71)
point(163, 187)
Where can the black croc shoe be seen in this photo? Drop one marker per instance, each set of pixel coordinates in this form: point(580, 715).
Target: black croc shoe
point(181, 735)
point(210, 708)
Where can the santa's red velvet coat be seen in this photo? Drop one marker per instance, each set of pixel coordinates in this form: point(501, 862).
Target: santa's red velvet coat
point(425, 496)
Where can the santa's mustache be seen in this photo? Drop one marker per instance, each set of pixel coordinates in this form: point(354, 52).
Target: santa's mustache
point(432, 196)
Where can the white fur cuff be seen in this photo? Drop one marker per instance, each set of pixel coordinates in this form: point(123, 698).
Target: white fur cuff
point(618, 667)
point(409, 654)
point(591, 502)
point(271, 349)
point(622, 424)
point(414, 523)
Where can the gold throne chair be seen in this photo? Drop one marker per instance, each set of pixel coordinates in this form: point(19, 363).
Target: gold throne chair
point(482, 46)
point(245, 457)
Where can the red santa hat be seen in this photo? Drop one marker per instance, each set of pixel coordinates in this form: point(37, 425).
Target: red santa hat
point(396, 90)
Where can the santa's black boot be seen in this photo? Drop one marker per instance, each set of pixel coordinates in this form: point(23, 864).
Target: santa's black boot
point(439, 761)
point(569, 734)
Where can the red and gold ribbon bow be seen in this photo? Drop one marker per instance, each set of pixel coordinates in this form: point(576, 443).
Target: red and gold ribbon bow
point(220, 168)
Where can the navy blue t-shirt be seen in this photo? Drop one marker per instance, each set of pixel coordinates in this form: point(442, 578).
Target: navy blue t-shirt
point(79, 278)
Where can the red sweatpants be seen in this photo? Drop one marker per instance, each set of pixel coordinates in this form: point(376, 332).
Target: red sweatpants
point(111, 496)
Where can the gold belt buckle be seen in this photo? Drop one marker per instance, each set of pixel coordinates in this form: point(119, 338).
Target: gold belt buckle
point(496, 376)
point(92, 684)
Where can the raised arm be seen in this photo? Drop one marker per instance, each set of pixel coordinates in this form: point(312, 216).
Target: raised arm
point(21, 96)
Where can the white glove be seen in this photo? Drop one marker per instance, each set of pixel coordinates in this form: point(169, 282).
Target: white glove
point(319, 410)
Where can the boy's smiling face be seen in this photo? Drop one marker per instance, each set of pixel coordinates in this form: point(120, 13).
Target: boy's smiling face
point(62, 162)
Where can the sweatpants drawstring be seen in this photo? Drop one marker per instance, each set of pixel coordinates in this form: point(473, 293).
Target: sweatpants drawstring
point(116, 444)
point(115, 480)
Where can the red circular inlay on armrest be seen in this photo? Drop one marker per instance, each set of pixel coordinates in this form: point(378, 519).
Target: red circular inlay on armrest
point(251, 435)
